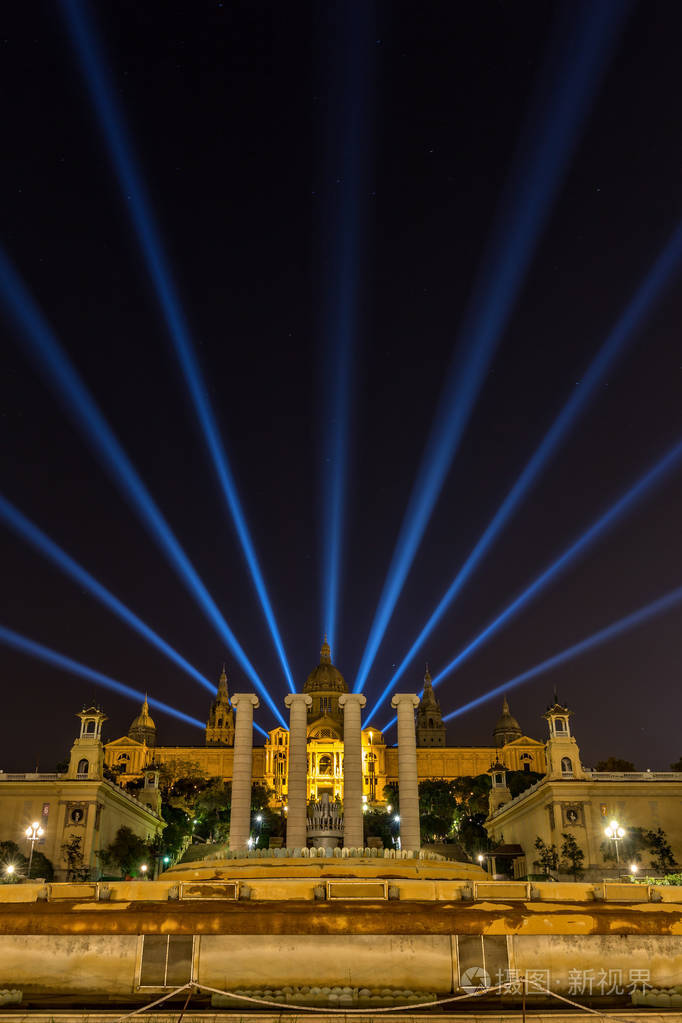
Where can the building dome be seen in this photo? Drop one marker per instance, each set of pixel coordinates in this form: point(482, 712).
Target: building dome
point(507, 728)
point(143, 728)
point(325, 678)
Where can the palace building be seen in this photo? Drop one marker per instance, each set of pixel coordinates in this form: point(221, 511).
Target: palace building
point(325, 685)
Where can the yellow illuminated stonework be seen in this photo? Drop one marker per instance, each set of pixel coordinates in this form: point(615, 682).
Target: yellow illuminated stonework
point(324, 685)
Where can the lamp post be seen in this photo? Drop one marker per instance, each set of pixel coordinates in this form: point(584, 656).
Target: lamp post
point(616, 833)
point(9, 869)
point(33, 833)
point(143, 871)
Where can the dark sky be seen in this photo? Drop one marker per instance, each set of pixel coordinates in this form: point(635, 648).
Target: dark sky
point(233, 110)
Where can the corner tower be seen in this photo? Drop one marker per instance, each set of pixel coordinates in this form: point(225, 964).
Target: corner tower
point(430, 727)
point(220, 724)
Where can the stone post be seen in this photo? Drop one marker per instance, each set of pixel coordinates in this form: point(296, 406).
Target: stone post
point(352, 704)
point(297, 784)
point(408, 782)
point(242, 770)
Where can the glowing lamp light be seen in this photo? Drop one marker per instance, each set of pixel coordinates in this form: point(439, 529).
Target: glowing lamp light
point(10, 868)
point(480, 857)
point(259, 818)
point(166, 859)
point(634, 867)
point(143, 869)
point(389, 808)
point(615, 831)
point(397, 819)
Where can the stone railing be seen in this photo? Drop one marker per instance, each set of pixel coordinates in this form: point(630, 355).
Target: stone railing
point(633, 775)
point(7, 776)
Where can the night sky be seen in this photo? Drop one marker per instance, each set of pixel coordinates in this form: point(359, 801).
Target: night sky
point(237, 114)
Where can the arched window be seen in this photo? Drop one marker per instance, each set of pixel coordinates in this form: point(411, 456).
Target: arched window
point(559, 725)
point(83, 766)
point(90, 727)
point(220, 722)
point(430, 722)
point(325, 764)
point(566, 765)
point(122, 758)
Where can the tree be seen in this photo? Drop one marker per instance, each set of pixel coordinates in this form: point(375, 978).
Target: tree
point(126, 852)
point(661, 852)
point(676, 766)
point(573, 856)
point(72, 851)
point(380, 824)
point(614, 764)
point(437, 806)
point(519, 781)
point(548, 858)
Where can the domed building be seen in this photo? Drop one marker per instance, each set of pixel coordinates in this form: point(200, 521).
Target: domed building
point(507, 728)
point(143, 728)
point(324, 685)
point(325, 750)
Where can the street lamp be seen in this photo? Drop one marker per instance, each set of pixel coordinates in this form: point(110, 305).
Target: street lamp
point(33, 833)
point(634, 867)
point(143, 870)
point(616, 833)
point(9, 869)
point(480, 858)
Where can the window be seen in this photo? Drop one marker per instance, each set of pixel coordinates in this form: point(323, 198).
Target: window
point(83, 766)
point(566, 765)
point(559, 725)
point(166, 960)
point(482, 959)
point(220, 722)
point(498, 779)
point(90, 727)
point(325, 764)
point(123, 758)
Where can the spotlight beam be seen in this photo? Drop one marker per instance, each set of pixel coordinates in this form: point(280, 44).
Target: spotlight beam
point(571, 73)
point(643, 614)
point(137, 200)
point(62, 377)
point(57, 660)
point(658, 278)
point(349, 112)
point(29, 532)
point(602, 525)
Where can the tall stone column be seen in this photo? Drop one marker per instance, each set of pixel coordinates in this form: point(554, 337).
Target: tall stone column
point(352, 704)
point(297, 784)
point(408, 782)
point(242, 770)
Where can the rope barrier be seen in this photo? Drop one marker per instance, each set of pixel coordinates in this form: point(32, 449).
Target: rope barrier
point(193, 986)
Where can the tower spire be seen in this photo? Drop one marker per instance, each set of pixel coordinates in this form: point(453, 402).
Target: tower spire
point(325, 652)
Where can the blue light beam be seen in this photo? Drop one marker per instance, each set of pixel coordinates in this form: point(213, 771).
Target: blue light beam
point(137, 200)
point(625, 503)
point(57, 660)
point(62, 377)
point(29, 532)
point(644, 614)
point(582, 41)
point(621, 507)
point(658, 278)
point(348, 145)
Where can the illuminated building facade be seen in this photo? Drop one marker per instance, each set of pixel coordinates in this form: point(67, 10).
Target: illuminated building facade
point(325, 684)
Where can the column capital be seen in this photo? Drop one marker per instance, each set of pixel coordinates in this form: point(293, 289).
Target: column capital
point(251, 698)
point(405, 699)
point(304, 698)
point(359, 699)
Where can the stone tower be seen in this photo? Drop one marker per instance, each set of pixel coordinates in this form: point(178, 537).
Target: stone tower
point(87, 753)
point(430, 727)
point(143, 728)
point(220, 724)
point(563, 755)
point(499, 791)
